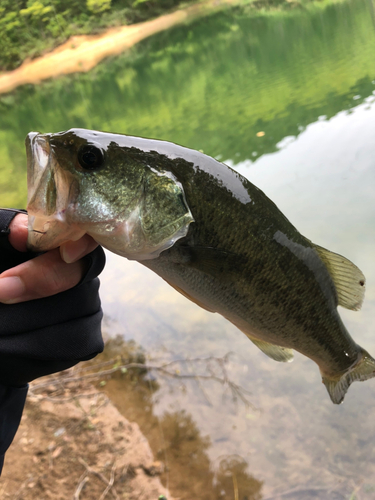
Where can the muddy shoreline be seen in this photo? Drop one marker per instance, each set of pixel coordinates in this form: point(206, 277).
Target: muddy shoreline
point(75, 444)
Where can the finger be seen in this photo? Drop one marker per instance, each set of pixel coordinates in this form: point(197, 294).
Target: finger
point(71, 251)
point(18, 232)
point(43, 276)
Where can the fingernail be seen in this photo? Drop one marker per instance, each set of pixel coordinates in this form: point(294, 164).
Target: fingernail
point(71, 252)
point(11, 290)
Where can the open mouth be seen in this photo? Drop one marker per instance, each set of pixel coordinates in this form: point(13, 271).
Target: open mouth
point(41, 151)
point(41, 189)
point(38, 155)
point(38, 172)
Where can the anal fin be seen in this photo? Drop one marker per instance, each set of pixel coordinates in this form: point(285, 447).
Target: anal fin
point(273, 351)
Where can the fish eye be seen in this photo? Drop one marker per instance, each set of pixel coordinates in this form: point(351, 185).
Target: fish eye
point(90, 157)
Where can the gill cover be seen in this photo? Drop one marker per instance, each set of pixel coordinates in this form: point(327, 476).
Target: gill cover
point(160, 217)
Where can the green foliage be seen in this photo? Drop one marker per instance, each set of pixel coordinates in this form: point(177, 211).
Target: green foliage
point(36, 9)
point(137, 2)
point(97, 6)
point(30, 27)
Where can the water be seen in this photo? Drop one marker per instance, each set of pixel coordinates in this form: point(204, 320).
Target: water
point(304, 77)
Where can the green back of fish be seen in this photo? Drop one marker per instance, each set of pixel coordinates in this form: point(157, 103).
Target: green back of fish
point(245, 260)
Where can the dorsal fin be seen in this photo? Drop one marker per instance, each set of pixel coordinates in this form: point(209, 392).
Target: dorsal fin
point(273, 351)
point(348, 279)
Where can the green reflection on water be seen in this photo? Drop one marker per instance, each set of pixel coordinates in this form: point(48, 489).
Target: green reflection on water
point(211, 85)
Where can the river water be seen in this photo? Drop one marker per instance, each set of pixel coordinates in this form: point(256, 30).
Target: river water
point(286, 96)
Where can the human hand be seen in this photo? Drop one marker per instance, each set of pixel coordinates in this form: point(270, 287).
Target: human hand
point(57, 330)
point(48, 274)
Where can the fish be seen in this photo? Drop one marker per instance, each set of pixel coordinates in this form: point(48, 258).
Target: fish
point(208, 232)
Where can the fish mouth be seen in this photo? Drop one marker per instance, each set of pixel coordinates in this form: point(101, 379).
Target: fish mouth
point(38, 162)
point(38, 158)
point(48, 197)
point(37, 151)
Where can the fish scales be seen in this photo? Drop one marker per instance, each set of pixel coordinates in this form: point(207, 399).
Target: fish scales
point(209, 232)
point(269, 299)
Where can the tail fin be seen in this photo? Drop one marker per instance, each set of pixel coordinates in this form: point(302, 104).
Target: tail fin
point(362, 370)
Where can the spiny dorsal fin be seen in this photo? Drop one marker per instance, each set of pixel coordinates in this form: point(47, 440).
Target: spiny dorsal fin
point(274, 351)
point(348, 279)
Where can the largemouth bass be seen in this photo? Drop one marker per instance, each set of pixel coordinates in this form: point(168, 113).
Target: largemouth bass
point(209, 232)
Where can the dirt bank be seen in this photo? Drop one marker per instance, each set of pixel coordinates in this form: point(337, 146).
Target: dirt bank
point(74, 444)
point(82, 53)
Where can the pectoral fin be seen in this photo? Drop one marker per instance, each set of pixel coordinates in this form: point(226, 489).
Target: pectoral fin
point(273, 351)
point(211, 261)
point(188, 296)
point(348, 279)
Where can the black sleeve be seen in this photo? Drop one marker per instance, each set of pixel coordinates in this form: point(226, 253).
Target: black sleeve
point(12, 401)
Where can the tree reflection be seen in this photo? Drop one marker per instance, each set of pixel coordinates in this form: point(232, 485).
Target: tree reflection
point(175, 438)
point(232, 481)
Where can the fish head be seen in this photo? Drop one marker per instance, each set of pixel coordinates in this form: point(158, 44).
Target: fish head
point(82, 181)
